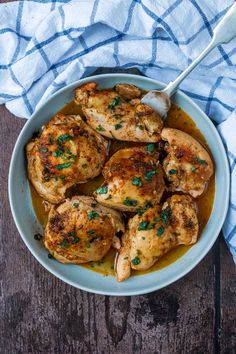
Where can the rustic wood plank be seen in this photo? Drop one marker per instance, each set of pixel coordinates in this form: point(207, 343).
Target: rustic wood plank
point(227, 328)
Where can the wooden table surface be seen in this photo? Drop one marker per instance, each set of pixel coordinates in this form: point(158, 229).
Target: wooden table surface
point(41, 314)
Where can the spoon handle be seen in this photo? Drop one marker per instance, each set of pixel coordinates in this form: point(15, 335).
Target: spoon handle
point(223, 33)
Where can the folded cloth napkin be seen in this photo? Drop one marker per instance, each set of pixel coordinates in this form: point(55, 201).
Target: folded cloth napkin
point(46, 45)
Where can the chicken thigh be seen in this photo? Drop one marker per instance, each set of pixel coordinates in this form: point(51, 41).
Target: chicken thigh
point(133, 179)
point(188, 166)
point(117, 113)
point(158, 230)
point(80, 230)
point(66, 152)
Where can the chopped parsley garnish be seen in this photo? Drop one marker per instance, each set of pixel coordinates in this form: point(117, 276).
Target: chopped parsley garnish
point(114, 103)
point(94, 239)
point(193, 169)
point(165, 215)
point(100, 128)
point(149, 174)
point(141, 127)
point(202, 162)
point(91, 232)
point(140, 211)
point(64, 137)
point(137, 181)
point(102, 190)
point(136, 261)
point(93, 215)
point(130, 202)
point(157, 219)
point(75, 204)
point(59, 153)
point(61, 166)
point(50, 141)
point(143, 225)
point(43, 150)
point(117, 116)
point(38, 237)
point(93, 205)
point(71, 234)
point(50, 256)
point(151, 226)
point(173, 172)
point(160, 231)
point(118, 126)
point(150, 148)
point(76, 240)
point(62, 177)
point(143, 238)
point(64, 243)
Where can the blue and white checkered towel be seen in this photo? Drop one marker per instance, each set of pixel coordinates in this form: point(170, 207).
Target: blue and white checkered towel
point(45, 45)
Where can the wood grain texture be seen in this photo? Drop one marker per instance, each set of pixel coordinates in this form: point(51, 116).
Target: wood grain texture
point(41, 314)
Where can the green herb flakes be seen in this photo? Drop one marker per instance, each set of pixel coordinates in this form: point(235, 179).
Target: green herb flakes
point(64, 137)
point(63, 165)
point(160, 231)
point(117, 116)
point(149, 174)
point(93, 215)
point(130, 202)
point(172, 172)
point(136, 261)
point(137, 181)
point(165, 215)
point(202, 162)
point(38, 237)
point(102, 190)
point(150, 148)
point(143, 225)
point(193, 169)
point(64, 243)
point(118, 126)
point(114, 103)
point(91, 232)
point(100, 128)
point(140, 211)
point(75, 240)
point(76, 204)
point(43, 150)
point(50, 141)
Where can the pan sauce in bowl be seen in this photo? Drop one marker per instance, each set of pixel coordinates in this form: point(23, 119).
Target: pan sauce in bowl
point(177, 118)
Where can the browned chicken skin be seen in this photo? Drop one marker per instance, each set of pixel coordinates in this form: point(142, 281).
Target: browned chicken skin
point(80, 230)
point(158, 230)
point(133, 179)
point(67, 151)
point(117, 113)
point(188, 165)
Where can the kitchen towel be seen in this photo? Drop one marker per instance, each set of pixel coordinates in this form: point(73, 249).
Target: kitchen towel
point(46, 45)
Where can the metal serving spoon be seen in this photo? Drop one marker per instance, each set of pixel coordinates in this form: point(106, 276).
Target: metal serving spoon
point(223, 33)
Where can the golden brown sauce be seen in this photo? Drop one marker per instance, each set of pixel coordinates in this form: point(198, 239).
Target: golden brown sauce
point(176, 119)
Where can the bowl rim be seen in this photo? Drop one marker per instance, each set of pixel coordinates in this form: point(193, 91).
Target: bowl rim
point(56, 273)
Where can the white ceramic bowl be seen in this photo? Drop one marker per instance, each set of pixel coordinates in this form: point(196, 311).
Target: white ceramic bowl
point(27, 223)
